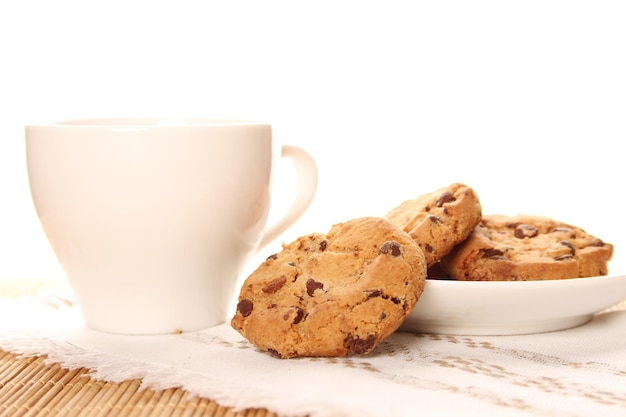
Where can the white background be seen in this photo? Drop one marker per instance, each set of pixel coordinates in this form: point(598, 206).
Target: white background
point(524, 101)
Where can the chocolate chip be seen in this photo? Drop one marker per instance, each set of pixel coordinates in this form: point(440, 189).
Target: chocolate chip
point(493, 254)
point(358, 345)
point(382, 316)
point(244, 307)
point(563, 257)
point(299, 315)
point(312, 285)
point(444, 198)
point(274, 285)
point(274, 353)
point(598, 243)
point(434, 219)
point(569, 245)
point(323, 245)
point(561, 230)
point(373, 293)
point(525, 230)
point(392, 248)
point(273, 256)
point(428, 248)
point(395, 300)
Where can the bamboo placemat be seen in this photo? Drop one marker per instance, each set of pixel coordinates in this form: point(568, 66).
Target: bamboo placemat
point(30, 387)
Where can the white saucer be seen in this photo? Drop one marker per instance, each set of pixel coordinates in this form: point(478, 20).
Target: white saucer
point(507, 308)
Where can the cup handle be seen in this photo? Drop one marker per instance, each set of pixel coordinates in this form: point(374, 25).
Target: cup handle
point(306, 186)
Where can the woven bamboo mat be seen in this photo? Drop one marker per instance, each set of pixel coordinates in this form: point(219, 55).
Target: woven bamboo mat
point(30, 387)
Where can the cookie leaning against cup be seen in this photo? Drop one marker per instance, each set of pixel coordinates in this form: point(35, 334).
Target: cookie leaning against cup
point(332, 295)
point(523, 248)
point(439, 220)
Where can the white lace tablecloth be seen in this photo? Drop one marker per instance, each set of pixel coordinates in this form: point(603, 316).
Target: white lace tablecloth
point(575, 372)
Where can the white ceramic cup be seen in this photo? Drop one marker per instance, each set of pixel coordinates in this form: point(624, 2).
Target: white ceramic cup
point(153, 220)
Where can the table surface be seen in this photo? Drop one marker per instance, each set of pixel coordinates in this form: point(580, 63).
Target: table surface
point(30, 386)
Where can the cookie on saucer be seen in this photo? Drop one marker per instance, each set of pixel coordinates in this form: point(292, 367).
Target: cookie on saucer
point(523, 248)
point(439, 220)
point(333, 294)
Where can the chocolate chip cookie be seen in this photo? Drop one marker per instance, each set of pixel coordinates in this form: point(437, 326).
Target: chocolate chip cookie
point(333, 294)
point(439, 220)
point(523, 248)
